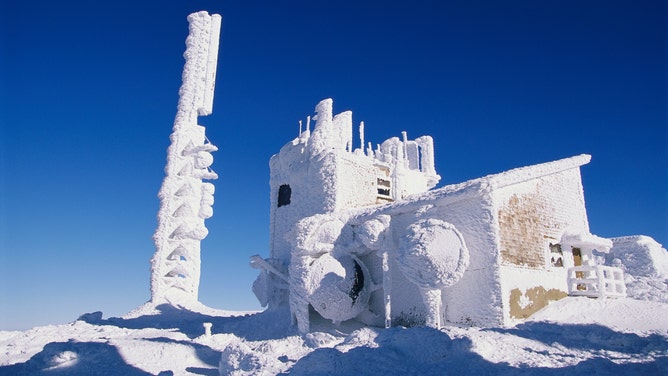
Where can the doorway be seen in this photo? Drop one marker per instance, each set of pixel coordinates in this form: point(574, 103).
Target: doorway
point(577, 261)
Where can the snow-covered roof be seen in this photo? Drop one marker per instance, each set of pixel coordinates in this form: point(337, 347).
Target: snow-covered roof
point(510, 177)
point(479, 186)
point(522, 174)
point(585, 240)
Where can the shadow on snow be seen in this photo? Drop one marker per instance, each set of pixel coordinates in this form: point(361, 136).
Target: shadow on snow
point(426, 351)
point(591, 337)
point(98, 358)
point(398, 351)
point(74, 358)
point(253, 327)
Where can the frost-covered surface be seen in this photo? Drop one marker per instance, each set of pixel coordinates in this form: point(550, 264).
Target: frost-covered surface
point(622, 336)
point(575, 336)
point(326, 173)
point(185, 199)
point(433, 254)
point(319, 259)
point(645, 265)
point(357, 234)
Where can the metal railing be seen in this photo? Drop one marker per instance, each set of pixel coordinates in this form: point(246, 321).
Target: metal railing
point(596, 281)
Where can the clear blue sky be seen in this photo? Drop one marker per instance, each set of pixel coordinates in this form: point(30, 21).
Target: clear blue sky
point(88, 93)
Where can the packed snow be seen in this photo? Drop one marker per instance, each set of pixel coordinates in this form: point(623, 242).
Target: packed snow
point(575, 336)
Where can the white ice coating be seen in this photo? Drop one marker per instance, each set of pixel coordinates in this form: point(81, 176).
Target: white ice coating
point(645, 265)
point(432, 254)
point(358, 235)
point(185, 199)
point(640, 256)
point(585, 241)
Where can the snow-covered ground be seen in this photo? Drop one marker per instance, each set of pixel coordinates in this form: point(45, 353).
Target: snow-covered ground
point(573, 336)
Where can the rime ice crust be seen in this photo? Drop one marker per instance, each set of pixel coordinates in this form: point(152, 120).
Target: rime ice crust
point(185, 199)
point(432, 254)
point(323, 258)
point(357, 233)
point(645, 265)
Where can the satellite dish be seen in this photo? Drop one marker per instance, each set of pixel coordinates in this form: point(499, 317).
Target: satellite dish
point(432, 254)
point(336, 287)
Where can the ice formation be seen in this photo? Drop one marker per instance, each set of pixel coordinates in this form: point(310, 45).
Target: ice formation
point(645, 265)
point(358, 234)
point(185, 198)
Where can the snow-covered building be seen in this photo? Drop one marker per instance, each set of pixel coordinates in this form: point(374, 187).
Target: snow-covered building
point(358, 233)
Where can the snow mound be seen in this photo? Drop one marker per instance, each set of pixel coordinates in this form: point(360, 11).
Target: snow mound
point(622, 314)
point(640, 256)
point(645, 265)
point(574, 336)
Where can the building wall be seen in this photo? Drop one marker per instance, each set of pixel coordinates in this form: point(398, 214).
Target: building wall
point(473, 300)
point(286, 169)
point(507, 221)
point(333, 182)
point(476, 298)
point(525, 290)
point(326, 175)
point(532, 215)
point(356, 183)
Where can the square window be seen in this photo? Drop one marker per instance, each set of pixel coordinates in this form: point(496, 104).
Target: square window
point(284, 193)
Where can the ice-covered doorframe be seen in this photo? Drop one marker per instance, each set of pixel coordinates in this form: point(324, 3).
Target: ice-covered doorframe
point(584, 241)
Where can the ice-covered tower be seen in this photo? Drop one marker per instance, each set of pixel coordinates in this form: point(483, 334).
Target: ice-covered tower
point(321, 172)
point(185, 199)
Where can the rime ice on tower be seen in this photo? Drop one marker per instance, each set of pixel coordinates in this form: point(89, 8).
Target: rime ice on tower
point(185, 199)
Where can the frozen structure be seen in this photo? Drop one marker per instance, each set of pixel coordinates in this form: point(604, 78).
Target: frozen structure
point(357, 233)
point(185, 198)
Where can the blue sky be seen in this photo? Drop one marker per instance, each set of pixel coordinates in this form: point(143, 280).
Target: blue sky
point(88, 94)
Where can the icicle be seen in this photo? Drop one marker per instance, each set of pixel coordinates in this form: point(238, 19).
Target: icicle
point(308, 124)
point(300, 128)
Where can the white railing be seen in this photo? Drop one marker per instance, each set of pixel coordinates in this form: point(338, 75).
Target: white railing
point(596, 281)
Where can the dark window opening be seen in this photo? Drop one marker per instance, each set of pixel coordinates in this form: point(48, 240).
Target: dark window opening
point(577, 261)
point(358, 283)
point(383, 187)
point(383, 192)
point(577, 256)
point(556, 255)
point(284, 193)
